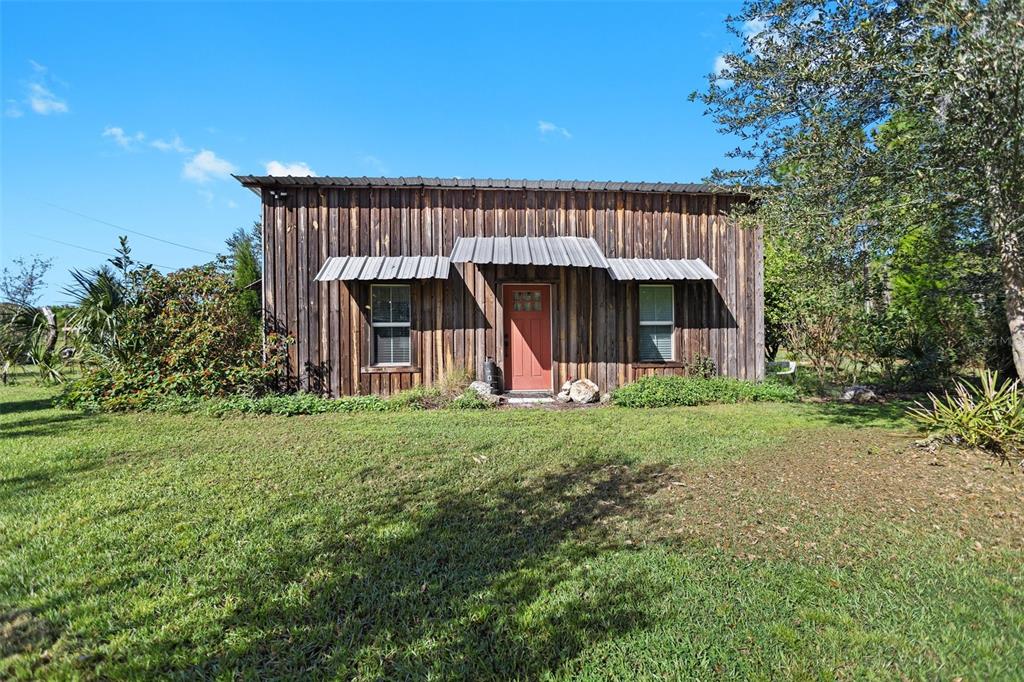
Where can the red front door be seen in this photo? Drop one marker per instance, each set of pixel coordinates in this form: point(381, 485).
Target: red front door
point(527, 337)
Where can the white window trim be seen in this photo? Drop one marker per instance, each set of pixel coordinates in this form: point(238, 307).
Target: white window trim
point(660, 323)
point(373, 340)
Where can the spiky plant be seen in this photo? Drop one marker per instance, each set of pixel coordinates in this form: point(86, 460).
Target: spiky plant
point(989, 417)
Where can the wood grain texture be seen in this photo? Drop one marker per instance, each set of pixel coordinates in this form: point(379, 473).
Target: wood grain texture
point(458, 323)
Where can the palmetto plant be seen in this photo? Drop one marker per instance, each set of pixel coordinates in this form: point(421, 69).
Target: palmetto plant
point(28, 334)
point(989, 417)
point(100, 298)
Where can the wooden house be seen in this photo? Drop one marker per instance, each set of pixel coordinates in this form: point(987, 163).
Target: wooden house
point(389, 283)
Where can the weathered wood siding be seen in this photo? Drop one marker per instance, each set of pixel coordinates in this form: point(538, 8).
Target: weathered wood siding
point(457, 323)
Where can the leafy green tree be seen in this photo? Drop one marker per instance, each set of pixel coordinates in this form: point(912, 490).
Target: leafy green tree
point(850, 112)
point(245, 260)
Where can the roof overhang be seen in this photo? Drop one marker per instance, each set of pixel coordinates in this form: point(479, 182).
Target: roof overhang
point(659, 269)
point(256, 182)
point(580, 252)
point(378, 268)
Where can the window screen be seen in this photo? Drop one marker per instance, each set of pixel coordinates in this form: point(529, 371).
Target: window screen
point(657, 320)
point(390, 317)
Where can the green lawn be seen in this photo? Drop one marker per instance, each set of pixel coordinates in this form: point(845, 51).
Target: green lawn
point(764, 540)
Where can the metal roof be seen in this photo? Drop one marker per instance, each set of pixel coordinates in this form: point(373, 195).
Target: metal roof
point(277, 181)
point(580, 252)
point(652, 269)
point(383, 267)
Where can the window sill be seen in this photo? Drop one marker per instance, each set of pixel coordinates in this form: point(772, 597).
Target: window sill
point(390, 369)
point(651, 365)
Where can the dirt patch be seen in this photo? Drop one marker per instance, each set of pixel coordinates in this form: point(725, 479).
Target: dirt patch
point(843, 495)
point(22, 632)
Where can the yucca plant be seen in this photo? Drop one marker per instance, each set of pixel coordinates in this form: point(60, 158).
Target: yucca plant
point(989, 417)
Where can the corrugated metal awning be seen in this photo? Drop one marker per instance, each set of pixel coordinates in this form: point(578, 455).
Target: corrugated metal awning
point(383, 267)
point(654, 269)
point(580, 252)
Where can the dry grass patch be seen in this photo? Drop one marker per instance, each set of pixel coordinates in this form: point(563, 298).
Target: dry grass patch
point(837, 494)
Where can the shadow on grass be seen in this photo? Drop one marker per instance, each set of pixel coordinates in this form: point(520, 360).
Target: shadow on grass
point(460, 591)
point(886, 415)
point(18, 406)
point(49, 425)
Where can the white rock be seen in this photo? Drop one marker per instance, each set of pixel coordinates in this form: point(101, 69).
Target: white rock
point(858, 394)
point(482, 388)
point(566, 386)
point(584, 391)
point(563, 397)
point(606, 398)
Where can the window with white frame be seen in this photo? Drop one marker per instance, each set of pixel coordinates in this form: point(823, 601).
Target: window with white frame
point(657, 320)
point(390, 317)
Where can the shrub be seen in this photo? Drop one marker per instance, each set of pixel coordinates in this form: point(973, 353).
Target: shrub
point(185, 334)
point(419, 398)
point(701, 367)
point(470, 400)
point(666, 391)
point(989, 417)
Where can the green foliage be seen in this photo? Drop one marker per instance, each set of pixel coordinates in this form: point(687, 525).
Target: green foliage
point(100, 299)
point(701, 367)
point(866, 123)
point(246, 270)
point(469, 400)
point(184, 334)
point(419, 398)
point(989, 417)
point(295, 404)
point(667, 391)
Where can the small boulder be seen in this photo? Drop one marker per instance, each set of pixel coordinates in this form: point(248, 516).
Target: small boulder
point(563, 397)
point(482, 388)
point(858, 394)
point(566, 386)
point(606, 398)
point(584, 391)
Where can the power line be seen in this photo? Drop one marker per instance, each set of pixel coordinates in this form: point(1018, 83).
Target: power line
point(86, 248)
point(127, 229)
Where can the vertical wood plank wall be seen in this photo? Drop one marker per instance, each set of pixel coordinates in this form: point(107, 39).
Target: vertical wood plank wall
point(458, 323)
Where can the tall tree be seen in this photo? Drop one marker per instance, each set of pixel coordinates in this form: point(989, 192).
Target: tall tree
point(850, 111)
point(245, 258)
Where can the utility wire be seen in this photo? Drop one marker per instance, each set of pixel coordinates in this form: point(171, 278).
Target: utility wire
point(126, 229)
point(86, 248)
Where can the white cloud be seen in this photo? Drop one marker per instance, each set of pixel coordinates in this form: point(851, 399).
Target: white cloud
point(296, 168)
point(44, 102)
point(38, 95)
point(206, 166)
point(173, 145)
point(206, 195)
point(123, 139)
point(546, 128)
point(231, 204)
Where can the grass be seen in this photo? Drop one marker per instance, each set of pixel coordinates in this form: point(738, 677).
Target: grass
point(760, 540)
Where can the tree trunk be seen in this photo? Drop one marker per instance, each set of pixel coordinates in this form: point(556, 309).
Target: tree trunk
point(51, 328)
point(1011, 261)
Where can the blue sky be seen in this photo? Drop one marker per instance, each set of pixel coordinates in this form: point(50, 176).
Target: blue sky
point(135, 114)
